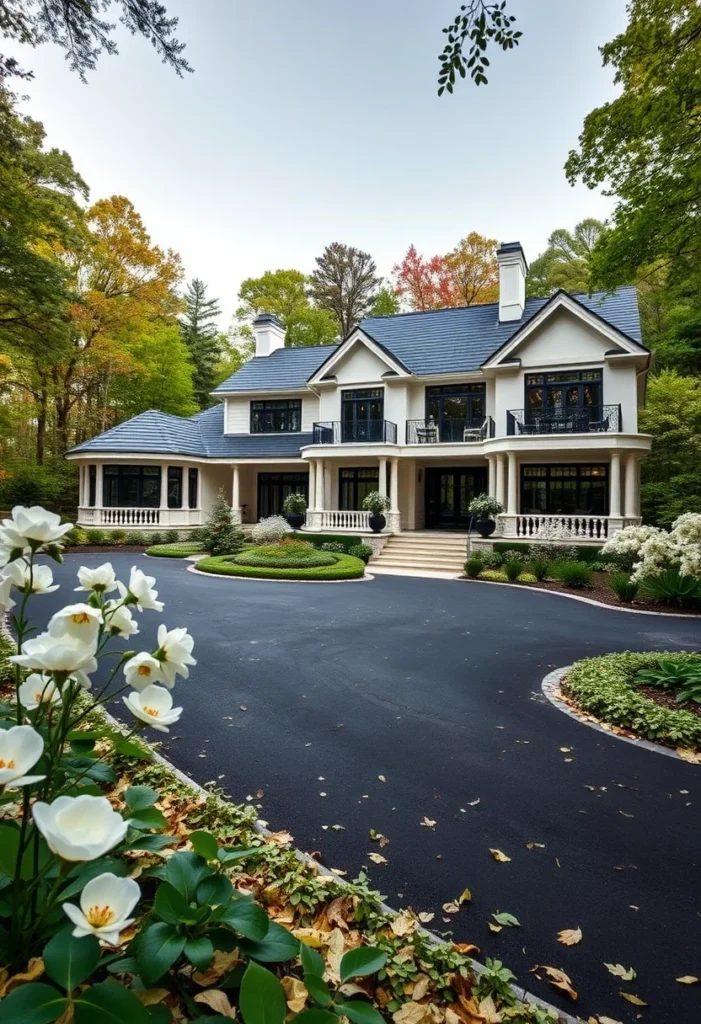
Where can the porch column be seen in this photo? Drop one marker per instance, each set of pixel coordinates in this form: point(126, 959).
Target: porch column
point(631, 478)
point(99, 497)
point(312, 485)
point(184, 486)
point(491, 476)
point(382, 485)
point(235, 488)
point(327, 485)
point(164, 486)
point(615, 485)
point(199, 489)
point(394, 486)
point(512, 499)
point(319, 485)
point(500, 491)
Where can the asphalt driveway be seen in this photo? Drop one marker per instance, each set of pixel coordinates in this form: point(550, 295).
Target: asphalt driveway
point(435, 686)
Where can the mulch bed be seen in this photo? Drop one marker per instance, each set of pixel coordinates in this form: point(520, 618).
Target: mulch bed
point(667, 699)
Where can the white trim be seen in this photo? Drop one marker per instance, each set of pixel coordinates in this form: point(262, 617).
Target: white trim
point(357, 337)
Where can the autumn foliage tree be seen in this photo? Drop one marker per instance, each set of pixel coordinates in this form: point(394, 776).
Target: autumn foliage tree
point(465, 276)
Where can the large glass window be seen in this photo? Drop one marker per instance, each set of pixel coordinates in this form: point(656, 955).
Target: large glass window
point(453, 407)
point(567, 490)
point(192, 481)
point(273, 488)
point(134, 486)
point(354, 485)
point(563, 395)
point(362, 414)
point(175, 486)
point(276, 417)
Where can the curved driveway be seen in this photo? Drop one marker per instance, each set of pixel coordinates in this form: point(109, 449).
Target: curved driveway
point(435, 685)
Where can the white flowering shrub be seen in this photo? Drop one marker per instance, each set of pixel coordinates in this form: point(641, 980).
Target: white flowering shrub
point(623, 549)
point(66, 894)
point(648, 551)
point(271, 530)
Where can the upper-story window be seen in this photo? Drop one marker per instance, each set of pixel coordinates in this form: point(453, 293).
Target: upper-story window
point(563, 395)
point(362, 414)
point(276, 416)
point(454, 407)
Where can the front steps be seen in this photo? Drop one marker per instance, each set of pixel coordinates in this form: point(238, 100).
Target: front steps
point(423, 551)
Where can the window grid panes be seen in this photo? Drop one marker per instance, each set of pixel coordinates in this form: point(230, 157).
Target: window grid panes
point(175, 486)
point(563, 395)
point(192, 481)
point(453, 407)
point(276, 417)
point(131, 486)
point(564, 490)
point(273, 488)
point(354, 485)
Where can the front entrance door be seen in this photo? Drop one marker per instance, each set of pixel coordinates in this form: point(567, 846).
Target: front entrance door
point(449, 492)
point(273, 488)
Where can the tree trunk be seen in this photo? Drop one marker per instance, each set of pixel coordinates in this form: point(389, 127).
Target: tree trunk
point(41, 428)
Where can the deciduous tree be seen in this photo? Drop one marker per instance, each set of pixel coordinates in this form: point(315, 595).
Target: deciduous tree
point(473, 269)
point(345, 282)
point(567, 260)
point(286, 294)
point(423, 283)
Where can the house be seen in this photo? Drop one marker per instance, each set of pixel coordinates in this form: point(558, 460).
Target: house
point(533, 400)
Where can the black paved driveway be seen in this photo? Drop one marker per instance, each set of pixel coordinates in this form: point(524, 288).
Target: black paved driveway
point(435, 685)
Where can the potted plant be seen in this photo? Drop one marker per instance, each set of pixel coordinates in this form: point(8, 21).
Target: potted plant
point(485, 508)
point(376, 503)
point(294, 506)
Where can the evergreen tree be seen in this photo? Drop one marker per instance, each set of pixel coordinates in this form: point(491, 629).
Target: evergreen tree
point(202, 338)
point(219, 536)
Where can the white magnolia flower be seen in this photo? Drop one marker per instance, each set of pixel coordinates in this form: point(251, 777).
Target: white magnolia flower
point(119, 620)
point(81, 621)
point(174, 653)
point(142, 670)
point(79, 827)
point(41, 576)
point(102, 580)
point(4, 555)
point(38, 689)
point(153, 705)
point(105, 905)
point(140, 590)
point(46, 653)
point(32, 525)
point(6, 601)
point(20, 748)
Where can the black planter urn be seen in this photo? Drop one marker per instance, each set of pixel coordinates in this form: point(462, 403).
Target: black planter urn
point(295, 519)
point(485, 527)
point(377, 523)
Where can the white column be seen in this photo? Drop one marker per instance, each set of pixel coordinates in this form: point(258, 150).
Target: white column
point(394, 486)
point(512, 492)
point(500, 489)
point(630, 508)
point(615, 485)
point(382, 485)
point(319, 485)
point(327, 485)
point(312, 485)
point(199, 488)
point(235, 488)
point(491, 476)
point(98, 486)
point(184, 486)
point(81, 482)
point(164, 486)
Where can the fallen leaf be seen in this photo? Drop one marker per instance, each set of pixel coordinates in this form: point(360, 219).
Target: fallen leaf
point(692, 756)
point(421, 987)
point(468, 948)
point(413, 1013)
point(565, 750)
point(382, 778)
point(687, 979)
point(281, 838)
point(151, 996)
point(558, 979)
point(377, 858)
point(427, 823)
point(465, 896)
point(218, 1001)
point(619, 971)
point(451, 908)
point(635, 1000)
point(498, 855)
point(507, 919)
point(607, 1020)
point(295, 994)
point(473, 803)
point(493, 927)
point(35, 968)
point(570, 936)
point(405, 922)
point(535, 846)
point(425, 917)
point(339, 828)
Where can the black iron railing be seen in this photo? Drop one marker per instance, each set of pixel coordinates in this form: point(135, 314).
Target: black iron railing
point(448, 430)
point(606, 419)
point(359, 431)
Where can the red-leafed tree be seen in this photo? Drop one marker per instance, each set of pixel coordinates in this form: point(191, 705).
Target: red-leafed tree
point(424, 283)
point(465, 276)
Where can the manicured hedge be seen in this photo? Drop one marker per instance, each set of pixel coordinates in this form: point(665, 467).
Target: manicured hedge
point(328, 538)
point(179, 550)
point(585, 552)
point(344, 567)
point(309, 560)
point(496, 576)
point(606, 688)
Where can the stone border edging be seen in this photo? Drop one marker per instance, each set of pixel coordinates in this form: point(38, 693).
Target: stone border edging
point(267, 579)
point(578, 597)
point(551, 688)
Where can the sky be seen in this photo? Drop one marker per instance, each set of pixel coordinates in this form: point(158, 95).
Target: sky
point(312, 121)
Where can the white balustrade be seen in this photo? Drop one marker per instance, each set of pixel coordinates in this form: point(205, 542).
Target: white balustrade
point(139, 517)
point(338, 520)
point(574, 527)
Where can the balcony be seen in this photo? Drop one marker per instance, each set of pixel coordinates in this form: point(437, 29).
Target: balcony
point(355, 432)
point(607, 419)
point(448, 431)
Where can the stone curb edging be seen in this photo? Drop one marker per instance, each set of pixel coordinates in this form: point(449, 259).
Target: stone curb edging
point(551, 688)
point(576, 597)
point(267, 579)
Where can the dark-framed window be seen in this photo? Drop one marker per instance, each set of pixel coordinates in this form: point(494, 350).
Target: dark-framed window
point(354, 485)
point(175, 486)
point(273, 488)
point(567, 490)
point(135, 486)
point(192, 481)
point(276, 416)
point(453, 407)
point(565, 393)
point(92, 485)
point(362, 413)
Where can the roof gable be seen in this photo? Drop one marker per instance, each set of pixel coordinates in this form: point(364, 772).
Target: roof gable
point(344, 352)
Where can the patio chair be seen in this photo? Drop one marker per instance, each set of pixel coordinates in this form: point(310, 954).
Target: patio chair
point(475, 433)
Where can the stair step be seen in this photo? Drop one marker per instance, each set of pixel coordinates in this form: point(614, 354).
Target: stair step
point(399, 563)
point(418, 546)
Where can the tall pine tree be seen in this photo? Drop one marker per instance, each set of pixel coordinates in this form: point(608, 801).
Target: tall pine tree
point(202, 338)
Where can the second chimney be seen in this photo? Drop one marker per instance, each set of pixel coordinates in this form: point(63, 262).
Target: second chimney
point(268, 333)
point(512, 280)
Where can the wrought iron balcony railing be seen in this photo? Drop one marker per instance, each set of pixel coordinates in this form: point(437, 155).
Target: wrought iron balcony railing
point(448, 430)
point(606, 419)
point(359, 431)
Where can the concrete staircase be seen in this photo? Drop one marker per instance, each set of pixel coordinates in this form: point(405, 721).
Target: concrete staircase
point(422, 551)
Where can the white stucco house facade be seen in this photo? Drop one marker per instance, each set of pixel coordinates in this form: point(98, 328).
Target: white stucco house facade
point(534, 401)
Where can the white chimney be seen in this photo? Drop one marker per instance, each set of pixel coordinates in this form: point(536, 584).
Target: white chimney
point(269, 334)
point(512, 280)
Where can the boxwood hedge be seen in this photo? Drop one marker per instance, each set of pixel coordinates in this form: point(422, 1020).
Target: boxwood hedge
point(605, 687)
point(264, 558)
point(180, 550)
point(344, 567)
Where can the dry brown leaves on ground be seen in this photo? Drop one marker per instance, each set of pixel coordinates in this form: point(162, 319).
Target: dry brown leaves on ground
point(557, 978)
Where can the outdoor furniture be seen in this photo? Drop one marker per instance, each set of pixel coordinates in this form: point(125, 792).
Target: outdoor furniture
point(475, 433)
point(427, 434)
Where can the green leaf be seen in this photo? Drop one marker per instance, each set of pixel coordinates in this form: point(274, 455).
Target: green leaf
point(507, 919)
point(317, 989)
point(159, 947)
point(215, 890)
point(150, 841)
point(248, 919)
point(358, 962)
point(317, 1017)
point(80, 879)
point(262, 998)
point(360, 1012)
point(277, 946)
point(170, 905)
point(9, 845)
point(129, 748)
point(109, 1003)
point(199, 952)
point(124, 965)
point(229, 856)
point(139, 797)
point(68, 960)
point(185, 871)
point(205, 844)
point(312, 962)
point(82, 746)
point(32, 1004)
point(147, 817)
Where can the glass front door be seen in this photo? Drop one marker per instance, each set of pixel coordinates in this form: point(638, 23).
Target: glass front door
point(273, 488)
point(362, 413)
point(449, 493)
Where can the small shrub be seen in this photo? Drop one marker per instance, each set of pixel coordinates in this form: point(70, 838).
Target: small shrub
point(539, 567)
point(156, 537)
point(72, 538)
point(270, 531)
point(573, 574)
point(624, 587)
point(362, 551)
point(485, 507)
point(493, 576)
point(376, 503)
point(332, 545)
point(294, 504)
point(117, 536)
point(670, 675)
point(673, 588)
point(513, 568)
point(219, 536)
point(473, 567)
point(171, 537)
point(95, 536)
point(527, 577)
point(491, 559)
point(136, 538)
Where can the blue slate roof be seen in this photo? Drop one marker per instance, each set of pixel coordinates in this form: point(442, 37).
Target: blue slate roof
point(286, 369)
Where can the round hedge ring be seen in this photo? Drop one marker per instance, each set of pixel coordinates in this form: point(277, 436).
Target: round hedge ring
point(333, 567)
point(308, 560)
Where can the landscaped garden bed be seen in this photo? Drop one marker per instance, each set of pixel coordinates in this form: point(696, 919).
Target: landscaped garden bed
point(321, 565)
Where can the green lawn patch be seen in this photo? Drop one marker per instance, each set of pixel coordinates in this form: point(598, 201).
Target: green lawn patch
point(606, 688)
point(179, 550)
point(343, 567)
